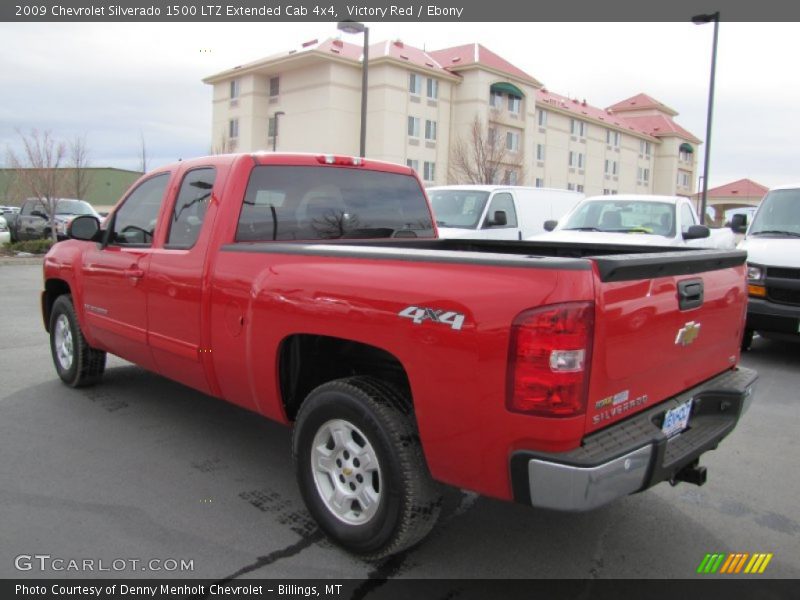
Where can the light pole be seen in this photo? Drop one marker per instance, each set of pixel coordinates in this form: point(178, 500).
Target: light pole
point(700, 20)
point(275, 133)
point(355, 27)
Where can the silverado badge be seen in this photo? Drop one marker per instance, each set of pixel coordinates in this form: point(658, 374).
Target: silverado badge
point(688, 333)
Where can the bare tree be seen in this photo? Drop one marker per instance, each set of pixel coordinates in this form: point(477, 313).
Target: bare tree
point(142, 154)
point(38, 170)
point(79, 162)
point(483, 157)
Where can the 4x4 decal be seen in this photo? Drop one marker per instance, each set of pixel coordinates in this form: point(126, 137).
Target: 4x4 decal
point(420, 314)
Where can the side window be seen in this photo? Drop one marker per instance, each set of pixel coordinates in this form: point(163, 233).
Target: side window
point(505, 203)
point(26, 210)
point(135, 221)
point(190, 208)
point(687, 218)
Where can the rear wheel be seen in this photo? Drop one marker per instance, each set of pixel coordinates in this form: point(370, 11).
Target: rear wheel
point(360, 467)
point(76, 362)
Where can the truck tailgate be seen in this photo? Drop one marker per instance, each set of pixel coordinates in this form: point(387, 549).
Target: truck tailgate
point(661, 328)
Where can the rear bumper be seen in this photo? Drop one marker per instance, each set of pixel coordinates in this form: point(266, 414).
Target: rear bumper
point(634, 454)
point(764, 315)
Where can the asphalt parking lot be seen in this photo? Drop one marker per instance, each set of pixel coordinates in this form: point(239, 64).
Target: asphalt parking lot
point(140, 468)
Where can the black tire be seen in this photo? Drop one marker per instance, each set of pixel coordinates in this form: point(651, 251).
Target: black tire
point(86, 364)
point(747, 340)
point(409, 500)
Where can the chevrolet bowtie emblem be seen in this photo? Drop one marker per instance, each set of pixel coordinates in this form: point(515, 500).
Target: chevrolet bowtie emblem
point(687, 334)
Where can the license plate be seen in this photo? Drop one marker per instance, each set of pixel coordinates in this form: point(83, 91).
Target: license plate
point(676, 419)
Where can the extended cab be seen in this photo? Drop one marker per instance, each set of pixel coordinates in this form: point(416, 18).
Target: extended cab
point(639, 220)
point(313, 290)
point(773, 265)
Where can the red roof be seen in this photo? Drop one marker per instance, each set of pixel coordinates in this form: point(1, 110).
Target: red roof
point(660, 126)
point(642, 102)
point(582, 109)
point(458, 57)
point(744, 188)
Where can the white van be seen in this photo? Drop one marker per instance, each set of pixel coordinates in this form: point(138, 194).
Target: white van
point(773, 264)
point(497, 212)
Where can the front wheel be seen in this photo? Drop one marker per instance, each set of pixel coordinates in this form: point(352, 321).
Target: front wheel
point(360, 467)
point(76, 362)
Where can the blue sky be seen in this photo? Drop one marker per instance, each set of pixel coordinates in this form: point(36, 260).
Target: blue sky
point(115, 82)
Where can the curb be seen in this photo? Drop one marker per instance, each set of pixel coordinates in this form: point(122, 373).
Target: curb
point(11, 261)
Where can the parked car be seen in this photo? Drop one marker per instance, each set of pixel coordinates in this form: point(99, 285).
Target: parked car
point(312, 290)
point(637, 219)
point(492, 212)
point(5, 234)
point(33, 222)
point(772, 243)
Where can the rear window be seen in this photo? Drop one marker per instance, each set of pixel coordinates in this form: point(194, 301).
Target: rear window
point(325, 203)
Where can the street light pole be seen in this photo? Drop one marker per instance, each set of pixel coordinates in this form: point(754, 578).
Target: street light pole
point(355, 27)
point(275, 133)
point(700, 20)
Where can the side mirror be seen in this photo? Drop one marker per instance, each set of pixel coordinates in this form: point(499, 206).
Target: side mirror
point(739, 223)
point(550, 225)
point(499, 219)
point(696, 232)
point(84, 227)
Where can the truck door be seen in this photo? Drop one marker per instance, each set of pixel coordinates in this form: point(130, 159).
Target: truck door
point(175, 287)
point(501, 201)
point(114, 286)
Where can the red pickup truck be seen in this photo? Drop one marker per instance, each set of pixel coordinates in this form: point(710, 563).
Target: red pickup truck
point(313, 290)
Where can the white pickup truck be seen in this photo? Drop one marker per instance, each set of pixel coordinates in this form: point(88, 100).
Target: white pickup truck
point(636, 219)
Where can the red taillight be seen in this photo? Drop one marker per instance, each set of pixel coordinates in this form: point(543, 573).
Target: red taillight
point(336, 159)
point(548, 366)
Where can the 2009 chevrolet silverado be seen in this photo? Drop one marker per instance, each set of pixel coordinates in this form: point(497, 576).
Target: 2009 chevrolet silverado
point(313, 290)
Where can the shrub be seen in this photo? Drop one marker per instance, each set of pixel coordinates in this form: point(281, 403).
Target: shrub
point(32, 246)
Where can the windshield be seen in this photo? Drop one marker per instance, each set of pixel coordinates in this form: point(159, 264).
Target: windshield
point(631, 216)
point(458, 208)
point(73, 207)
point(778, 214)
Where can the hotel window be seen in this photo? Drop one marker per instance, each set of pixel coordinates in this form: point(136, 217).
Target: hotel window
point(683, 179)
point(642, 175)
point(414, 84)
point(234, 89)
point(233, 128)
point(413, 164)
point(413, 126)
point(512, 141)
point(571, 187)
point(514, 104)
point(685, 156)
point(271, 127)
point(612, 138)
point(576, 159)
point(433, 88)
point(611, 167)
point(492, 136)
point(578, 128)
point(496, 100)
point(540, 152)
point(510, 178)
point(579, 188)
point(542, 118)
point(274, 86)
point(539, 182)
point(430, 171)
point(430, 130)
point(644, 148)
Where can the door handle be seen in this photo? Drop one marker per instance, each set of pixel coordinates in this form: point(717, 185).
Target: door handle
point(134, 273)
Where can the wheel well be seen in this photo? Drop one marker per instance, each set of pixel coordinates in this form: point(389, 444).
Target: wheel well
point(53, 288)
point(307, 361)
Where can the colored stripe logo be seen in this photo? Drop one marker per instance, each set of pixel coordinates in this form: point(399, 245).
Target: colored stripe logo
point(735, 563)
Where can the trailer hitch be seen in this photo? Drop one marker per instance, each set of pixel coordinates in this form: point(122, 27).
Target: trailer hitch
point(691, 473)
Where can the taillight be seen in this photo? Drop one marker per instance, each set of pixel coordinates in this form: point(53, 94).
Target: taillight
point(548, 366)
point(337, 159)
